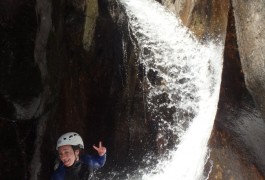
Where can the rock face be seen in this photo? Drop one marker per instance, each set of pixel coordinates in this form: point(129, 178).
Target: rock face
point(20, 86)
point(244, 28)
point(249, 18)
point(91, 13)
point(236, 142)
point(205, 18)
point(70, 65)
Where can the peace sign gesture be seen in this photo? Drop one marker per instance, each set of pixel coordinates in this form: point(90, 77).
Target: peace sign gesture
point(100, 149)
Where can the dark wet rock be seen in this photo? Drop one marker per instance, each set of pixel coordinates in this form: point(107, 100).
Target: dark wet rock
point(20, 86)
point(18, 94)
point(161, 99)
point(153, 77)
point(183, 80)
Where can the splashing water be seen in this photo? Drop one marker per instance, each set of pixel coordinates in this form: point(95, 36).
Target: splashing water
point(188, 74)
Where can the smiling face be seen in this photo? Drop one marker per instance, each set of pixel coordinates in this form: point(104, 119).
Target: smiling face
point(67, 155)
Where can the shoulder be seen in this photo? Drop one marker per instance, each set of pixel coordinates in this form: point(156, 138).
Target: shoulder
point(58, 174)
point(86, 157)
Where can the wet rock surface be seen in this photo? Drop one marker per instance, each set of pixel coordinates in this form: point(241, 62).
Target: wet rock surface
point(249, 18)
point(20, 87)
point(204, 18)
point(236, 143)
point(236, 140)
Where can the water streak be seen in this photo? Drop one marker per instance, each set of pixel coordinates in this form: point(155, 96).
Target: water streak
point(186, 75)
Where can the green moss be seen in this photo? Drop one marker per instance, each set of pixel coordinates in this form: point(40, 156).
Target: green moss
point(91, 11)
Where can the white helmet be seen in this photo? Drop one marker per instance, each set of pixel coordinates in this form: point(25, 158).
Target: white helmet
point(70, 138)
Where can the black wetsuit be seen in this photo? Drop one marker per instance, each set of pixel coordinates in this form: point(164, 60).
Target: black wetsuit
point(80, 170)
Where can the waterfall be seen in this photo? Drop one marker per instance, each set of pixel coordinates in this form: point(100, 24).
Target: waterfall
point(187, 75)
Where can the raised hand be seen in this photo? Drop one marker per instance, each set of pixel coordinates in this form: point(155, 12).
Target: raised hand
point(100, 149)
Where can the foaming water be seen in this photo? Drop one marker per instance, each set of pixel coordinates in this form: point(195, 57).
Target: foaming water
point(187, 74)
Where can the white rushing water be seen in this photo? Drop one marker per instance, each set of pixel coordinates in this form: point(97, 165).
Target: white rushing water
point(190, 74)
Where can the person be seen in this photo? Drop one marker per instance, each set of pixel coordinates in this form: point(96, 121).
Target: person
point(73, 165)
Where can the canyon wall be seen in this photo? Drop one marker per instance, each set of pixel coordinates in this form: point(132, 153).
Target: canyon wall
point(69, 65)
point(239, 25)
point(249, 18)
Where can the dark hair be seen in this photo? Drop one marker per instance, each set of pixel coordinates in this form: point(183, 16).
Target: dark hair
point(76, 147)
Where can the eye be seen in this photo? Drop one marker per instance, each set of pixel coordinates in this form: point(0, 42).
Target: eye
point(64, 153)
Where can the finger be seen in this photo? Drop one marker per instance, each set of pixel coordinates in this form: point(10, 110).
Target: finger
point(95, 147)
point(100, 144)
